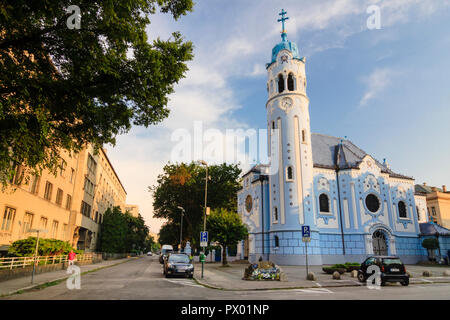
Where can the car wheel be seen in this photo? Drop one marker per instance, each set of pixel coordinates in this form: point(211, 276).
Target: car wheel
point(361, 277)
point(383, 283)
point(167, 275)
point(405, 283)
point(191, 276)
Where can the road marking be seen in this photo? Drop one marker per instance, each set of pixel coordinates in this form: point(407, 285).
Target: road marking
point(318, 284)
point(185, 282)
point(427, 280)
point(314, 290)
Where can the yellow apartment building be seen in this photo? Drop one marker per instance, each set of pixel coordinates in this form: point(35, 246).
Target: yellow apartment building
point(70, 205)
point(133, 209)
point(438, 204)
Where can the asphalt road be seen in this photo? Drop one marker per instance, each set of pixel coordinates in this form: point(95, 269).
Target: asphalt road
point(142, 279)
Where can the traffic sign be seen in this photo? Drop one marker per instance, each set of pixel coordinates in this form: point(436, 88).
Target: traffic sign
point(306, 232)
point(204, 239)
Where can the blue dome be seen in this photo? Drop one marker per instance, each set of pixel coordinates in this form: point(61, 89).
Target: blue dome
point(285, 44)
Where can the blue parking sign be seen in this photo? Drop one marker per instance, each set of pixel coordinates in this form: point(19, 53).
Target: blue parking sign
point(204, 236)
point(306, 233)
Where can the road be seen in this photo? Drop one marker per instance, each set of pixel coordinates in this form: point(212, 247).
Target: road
point(142, 279)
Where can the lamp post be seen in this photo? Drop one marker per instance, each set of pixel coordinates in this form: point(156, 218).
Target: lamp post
point(181, 229)
point(206, 194)
point(36, 250)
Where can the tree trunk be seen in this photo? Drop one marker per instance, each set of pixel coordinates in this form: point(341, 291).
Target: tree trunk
point(224, 256)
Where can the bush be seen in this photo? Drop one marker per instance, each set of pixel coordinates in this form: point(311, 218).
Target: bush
point(430, 243)
point(332, 269)
point(47, 247)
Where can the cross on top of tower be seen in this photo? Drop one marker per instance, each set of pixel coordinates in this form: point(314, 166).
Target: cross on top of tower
point(282, 20)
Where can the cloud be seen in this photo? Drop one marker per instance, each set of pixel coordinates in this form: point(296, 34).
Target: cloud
point(376, 82)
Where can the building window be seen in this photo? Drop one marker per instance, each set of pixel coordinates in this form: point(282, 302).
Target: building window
point(68, 202)
point(402, 209)
point(59, 197)
point(275, 214)
point(64, 231)
point(18, 175)
point(372, 203)
point(27, 222)
point(43, 222)
point(8, 218)
point(88, 186)
point(72, 174)
point(291, 82)
point(289, 173)
point(96, 216)
point(54, 233)
point(271, 86)
point(91, 164)
point(248, 203)
point(48, 191)
point(324, 203)
point(85, 209)
point(35, 184)
point(62, 169)
point(280, 83)
point(303, 136)
point(277, 242)
point(418, 213)
point(433, 211)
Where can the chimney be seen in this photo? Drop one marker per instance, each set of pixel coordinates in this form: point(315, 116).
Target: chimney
point(434, 189)
point(424, 184)
point(444, 188)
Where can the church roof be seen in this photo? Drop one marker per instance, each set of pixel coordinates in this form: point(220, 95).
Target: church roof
point(328, 152)
point(431, 229)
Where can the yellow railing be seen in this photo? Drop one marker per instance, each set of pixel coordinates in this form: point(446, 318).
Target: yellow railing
point(22, 262)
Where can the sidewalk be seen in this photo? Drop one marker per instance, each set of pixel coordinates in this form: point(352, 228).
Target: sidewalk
point(24, 283)
point(230, 278)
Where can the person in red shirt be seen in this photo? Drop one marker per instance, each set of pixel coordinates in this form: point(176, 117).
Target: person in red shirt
point(72, 256)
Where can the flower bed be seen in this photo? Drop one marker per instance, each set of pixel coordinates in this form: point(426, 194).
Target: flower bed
point(264, 270)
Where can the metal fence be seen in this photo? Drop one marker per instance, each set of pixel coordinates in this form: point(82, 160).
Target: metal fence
point(22, 262)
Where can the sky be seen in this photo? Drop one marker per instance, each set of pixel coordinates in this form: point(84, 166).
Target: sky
point(386, 89)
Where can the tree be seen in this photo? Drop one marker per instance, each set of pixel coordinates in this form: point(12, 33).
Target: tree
point(121, 232)
point(184, 185)
point(226, 228)
point(61, 88)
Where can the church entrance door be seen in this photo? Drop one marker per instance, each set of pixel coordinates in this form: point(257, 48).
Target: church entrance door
point(379, 243)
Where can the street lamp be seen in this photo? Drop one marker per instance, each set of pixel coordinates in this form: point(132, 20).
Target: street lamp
point(206, 193)
point(181, 229)
point(36, 249)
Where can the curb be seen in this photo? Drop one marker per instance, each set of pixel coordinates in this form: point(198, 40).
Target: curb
point(206, 285)
point(31, 287)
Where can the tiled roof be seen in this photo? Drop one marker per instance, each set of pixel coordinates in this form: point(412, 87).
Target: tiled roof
point(429, 229)
point(425, 189)
point(328, 151)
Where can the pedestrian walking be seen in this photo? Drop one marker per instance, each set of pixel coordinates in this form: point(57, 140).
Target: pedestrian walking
point(72, 257)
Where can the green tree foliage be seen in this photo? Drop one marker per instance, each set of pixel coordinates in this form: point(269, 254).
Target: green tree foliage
point(47, 247)
point(430, 243)
point(225, 227)
point(184, 185)
point(62, 88)
point(121, 232)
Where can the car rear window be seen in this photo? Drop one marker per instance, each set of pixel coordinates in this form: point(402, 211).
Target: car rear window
point(179, 259)
point(389, 261)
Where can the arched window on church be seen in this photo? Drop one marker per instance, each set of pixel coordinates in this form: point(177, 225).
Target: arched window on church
point(275, 214)
point(271, 86)
point(324, 203)
point(290, 82)
point(277, 242)
point(402, 209)
point(273, 125)
point(303, 136)
point(280, 83)
point(289, 173)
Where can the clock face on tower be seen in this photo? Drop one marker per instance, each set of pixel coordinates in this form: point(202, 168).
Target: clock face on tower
point(286, 104)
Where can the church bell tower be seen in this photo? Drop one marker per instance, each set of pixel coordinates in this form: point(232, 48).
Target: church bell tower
point(291, 178)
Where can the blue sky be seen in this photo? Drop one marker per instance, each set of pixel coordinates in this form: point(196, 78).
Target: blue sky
point(387, 90)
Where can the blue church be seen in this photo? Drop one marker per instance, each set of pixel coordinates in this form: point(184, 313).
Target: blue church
point(354, 205)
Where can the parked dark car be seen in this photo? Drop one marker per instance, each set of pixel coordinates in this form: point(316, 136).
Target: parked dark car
point(392, 269)
point(178, 264)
